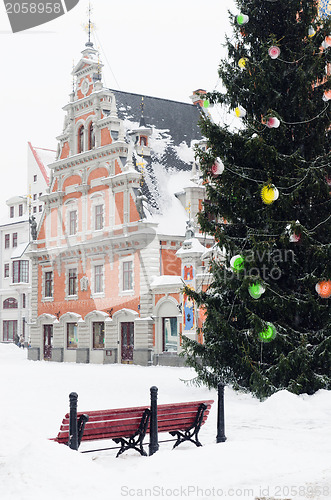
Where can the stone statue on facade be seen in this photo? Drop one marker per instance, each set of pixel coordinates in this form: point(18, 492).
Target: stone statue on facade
point(140, 198)
point(190, 232)
point(33, 227)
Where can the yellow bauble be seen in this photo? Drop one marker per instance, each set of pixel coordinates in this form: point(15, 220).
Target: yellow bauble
point(242, 62)
point(269, 194)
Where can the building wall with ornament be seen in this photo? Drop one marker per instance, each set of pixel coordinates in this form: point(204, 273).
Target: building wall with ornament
point(118, 237)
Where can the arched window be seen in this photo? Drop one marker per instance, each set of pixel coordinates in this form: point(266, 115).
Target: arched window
point(91, 136)
point(143, 140)
point(81, 139)
point(10, 303)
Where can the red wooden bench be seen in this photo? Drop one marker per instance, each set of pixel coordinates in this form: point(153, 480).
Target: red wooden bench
point(128, 426)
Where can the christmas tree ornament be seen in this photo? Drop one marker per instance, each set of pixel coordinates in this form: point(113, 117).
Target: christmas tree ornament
point(242, 62)
point(269, 194)
point(218, 167)
point(268, 334)
point(273, 122)
point(328, 181)
point(326, 95)
point(240, 112)
point(323, 288)
point(327, 41)
point(237, 262)
point(274, 52)
point(294, 238)
point(256, 290)
point(311, 32)
point(206, 103)
point(242, 19)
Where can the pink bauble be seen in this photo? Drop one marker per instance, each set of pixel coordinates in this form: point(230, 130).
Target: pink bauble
point(294, 238)
point(273, 122)
point(274, 52)
point(218, 167)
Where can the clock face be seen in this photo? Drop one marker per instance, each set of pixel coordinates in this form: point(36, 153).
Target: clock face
point(85, 86)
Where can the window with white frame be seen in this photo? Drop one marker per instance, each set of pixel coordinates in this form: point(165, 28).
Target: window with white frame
point(98, 278)
point(6, 271)
point(98, 216)
point(72, 337)
point(48, 284)
point(72, 219)
point(10, 303)
point(21, 271)
point(98, 328)
point(9, 329)
point(72, 281)
point(127, 275)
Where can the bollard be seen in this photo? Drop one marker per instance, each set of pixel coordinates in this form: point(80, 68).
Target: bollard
point(73, 429)
point(153, 442)
point(220, 438)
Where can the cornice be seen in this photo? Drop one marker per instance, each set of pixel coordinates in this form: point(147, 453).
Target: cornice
point(122, 179)
point(119, 244)
point(101, 153)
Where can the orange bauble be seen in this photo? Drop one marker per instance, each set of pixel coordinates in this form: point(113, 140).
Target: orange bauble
point(323, 288)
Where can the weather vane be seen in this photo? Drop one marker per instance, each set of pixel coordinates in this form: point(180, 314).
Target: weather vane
point(89, 27)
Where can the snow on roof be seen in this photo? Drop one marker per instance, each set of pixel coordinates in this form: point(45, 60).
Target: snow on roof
point(174, 128)
point(190, 246)
point(161, 281)
point(19, 250)
point(43, 157)
point(6, 221)
point(172, 216)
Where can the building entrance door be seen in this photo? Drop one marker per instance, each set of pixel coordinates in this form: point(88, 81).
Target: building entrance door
point(127, 336)
point(48, 341)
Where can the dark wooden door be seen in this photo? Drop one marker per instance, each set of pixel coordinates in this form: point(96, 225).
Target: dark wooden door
point(127, 336)
point(48, 341)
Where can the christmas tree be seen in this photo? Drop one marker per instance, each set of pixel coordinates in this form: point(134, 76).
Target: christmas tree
point(268, 321)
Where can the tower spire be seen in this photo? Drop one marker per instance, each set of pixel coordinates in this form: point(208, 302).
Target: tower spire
point(89, 26)
point(142, 119)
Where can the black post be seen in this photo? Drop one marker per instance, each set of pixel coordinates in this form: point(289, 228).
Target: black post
point(73, 428)
point(154, 441)
point(220, 438)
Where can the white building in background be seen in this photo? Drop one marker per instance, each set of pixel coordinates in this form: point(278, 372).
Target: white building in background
point(15, 236)
point(15, 285)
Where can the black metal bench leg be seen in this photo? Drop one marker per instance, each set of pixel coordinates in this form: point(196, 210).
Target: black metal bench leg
point(191, 434)
point(81, 426)
point(135, 442)
point(129, 444)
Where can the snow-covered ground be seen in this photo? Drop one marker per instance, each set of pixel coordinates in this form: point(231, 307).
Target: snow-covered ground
point(280, 448)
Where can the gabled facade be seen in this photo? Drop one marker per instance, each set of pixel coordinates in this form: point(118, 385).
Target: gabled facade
point(106, 274)
point(38, 177)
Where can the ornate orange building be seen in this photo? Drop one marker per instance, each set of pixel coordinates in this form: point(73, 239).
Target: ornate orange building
point(108, 262)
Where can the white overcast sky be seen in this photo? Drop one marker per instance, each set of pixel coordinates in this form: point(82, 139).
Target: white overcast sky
point(163, 49)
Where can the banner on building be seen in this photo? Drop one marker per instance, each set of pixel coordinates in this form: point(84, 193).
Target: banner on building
point(324, 8)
